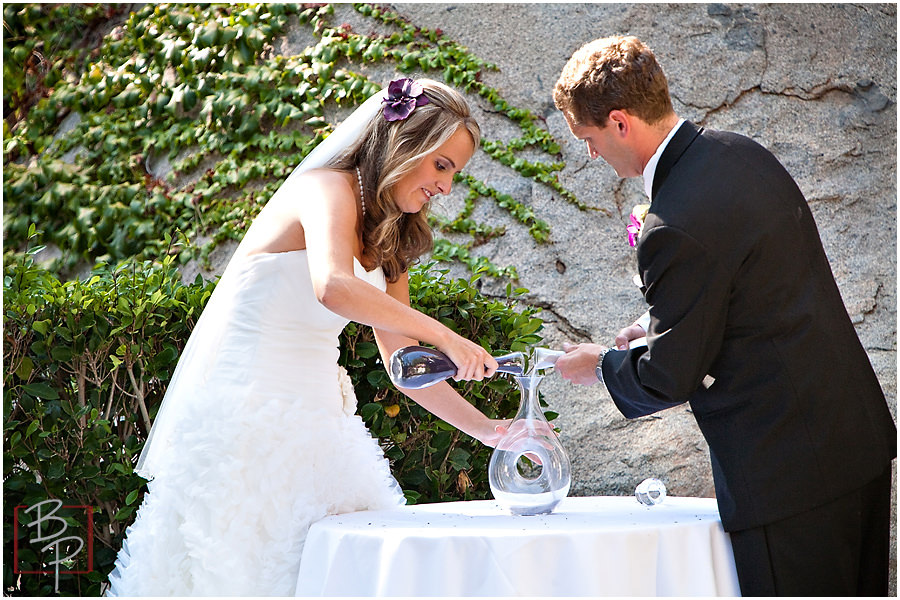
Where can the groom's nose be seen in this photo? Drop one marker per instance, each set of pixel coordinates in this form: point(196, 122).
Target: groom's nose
point(592, 152)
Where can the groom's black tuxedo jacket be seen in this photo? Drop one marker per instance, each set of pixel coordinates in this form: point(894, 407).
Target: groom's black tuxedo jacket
point(740, 289)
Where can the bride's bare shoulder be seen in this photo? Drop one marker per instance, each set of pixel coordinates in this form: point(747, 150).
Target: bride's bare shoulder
point(332, 179)
point(329, 185)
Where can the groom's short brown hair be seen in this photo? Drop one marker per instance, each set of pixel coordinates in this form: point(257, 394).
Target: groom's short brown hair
point(613, 73)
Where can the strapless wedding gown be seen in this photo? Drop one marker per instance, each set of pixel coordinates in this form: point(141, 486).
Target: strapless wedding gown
point(260, 441)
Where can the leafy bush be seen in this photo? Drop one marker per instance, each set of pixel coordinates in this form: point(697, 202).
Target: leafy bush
point(86, 367)
point(87, 363)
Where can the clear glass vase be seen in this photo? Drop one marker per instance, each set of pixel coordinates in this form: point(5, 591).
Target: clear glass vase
point(529, 469)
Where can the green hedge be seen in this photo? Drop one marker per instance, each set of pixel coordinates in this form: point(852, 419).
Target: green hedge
point(87, 364)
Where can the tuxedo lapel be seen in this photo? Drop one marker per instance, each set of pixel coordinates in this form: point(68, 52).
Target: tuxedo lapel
point(675, 148)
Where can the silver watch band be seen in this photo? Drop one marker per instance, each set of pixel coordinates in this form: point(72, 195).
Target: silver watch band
point(598, 370)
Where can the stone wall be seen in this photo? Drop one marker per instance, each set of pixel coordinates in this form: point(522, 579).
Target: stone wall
point(816, 84)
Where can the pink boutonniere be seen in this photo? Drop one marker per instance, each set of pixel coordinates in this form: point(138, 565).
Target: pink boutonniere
point(637, 223)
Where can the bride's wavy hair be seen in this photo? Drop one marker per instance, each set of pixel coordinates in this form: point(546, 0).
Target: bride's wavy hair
point(388, 150)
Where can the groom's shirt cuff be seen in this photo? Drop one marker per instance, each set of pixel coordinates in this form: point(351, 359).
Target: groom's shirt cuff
point(644, 321)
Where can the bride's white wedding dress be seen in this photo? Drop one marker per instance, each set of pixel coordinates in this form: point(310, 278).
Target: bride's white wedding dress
point(259, 441)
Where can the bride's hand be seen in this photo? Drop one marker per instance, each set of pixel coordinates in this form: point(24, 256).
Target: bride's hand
point(494, 431)
point(472, 361)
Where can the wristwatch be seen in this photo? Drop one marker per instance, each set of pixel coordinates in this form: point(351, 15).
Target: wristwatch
point(598, 370)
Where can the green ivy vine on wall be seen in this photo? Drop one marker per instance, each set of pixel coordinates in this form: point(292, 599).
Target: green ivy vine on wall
point(202, 88)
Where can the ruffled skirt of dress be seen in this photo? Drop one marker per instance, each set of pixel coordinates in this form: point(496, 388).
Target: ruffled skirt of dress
point(228, 510)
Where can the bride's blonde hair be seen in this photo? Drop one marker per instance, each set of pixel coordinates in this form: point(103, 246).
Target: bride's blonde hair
point(388, 150)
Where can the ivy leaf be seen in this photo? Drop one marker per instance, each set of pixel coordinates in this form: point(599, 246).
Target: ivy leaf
point(208, 36)
point(189, 100)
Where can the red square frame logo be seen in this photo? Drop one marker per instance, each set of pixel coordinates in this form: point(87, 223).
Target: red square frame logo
point(87, 545)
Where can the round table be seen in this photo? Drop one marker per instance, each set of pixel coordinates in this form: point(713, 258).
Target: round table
point(588, 546)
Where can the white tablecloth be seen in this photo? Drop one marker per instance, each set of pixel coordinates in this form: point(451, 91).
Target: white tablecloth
point(599, 546)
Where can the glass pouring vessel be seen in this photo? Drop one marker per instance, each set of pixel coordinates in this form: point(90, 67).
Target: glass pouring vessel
point(529, 471)
point(417, 367)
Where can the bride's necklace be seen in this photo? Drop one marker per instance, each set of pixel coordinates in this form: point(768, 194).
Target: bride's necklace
point(362, 195)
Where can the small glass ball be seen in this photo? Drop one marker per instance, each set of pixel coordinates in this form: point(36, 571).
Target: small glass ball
point(650, 492)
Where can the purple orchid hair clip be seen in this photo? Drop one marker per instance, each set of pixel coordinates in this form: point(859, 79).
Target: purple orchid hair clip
point(404, 95)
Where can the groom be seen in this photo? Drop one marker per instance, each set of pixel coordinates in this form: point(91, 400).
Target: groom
point(745, 323)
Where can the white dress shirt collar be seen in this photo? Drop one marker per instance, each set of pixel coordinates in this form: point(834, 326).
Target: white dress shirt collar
point(650, 169)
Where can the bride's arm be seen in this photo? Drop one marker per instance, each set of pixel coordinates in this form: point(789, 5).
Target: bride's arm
point(440, 399)
point(328, 216)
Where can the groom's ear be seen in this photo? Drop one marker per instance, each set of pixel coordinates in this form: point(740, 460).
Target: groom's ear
point(621, 121)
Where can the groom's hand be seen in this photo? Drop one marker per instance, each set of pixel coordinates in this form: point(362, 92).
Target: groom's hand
point(627, 335)
point(579, 362)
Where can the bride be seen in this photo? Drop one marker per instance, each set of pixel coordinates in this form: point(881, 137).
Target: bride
point(256, 438)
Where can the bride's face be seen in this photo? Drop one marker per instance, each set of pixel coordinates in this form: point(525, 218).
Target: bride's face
point(434, 175)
